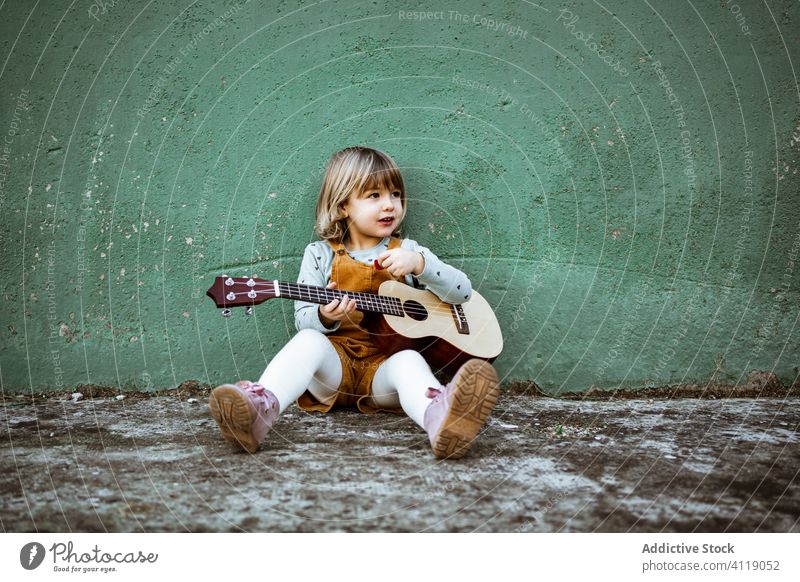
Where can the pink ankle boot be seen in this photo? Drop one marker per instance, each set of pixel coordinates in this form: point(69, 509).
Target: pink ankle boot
point(244, 412)
point(460, 409)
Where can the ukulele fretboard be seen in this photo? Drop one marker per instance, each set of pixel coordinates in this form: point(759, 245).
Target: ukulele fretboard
point(323, 296)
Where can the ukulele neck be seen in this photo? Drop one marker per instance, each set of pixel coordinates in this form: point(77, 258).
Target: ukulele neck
point(323, 296)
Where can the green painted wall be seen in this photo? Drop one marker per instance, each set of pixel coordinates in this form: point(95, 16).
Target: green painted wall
point(622, 186)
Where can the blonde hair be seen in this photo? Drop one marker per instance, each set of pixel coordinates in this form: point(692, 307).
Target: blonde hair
point(352, 171)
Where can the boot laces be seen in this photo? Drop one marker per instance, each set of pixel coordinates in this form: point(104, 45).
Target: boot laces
point(433, 393)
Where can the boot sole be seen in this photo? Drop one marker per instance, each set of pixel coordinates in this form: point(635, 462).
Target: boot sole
point(230, 409)
point(472, 403)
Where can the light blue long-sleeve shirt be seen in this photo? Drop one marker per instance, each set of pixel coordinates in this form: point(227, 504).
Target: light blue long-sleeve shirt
point(446, 282)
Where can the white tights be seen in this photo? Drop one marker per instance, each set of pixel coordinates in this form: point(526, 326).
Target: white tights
point(310, 362)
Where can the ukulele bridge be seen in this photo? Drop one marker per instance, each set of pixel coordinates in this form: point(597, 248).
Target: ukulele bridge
point(460, 319)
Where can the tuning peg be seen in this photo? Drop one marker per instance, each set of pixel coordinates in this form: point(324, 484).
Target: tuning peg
point(226, 312)
point(249, 311)
point(229, 281)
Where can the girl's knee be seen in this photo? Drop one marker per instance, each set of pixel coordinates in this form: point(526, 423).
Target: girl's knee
point(409, 358)
point(312, 342)
point(310, 337)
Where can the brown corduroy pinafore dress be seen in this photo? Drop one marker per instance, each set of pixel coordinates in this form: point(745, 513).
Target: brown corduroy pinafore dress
point(359, 356)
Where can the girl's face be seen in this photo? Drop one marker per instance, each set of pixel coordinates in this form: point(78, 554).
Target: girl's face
point(372, 215)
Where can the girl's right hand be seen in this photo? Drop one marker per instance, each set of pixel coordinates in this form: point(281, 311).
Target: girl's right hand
point(336, 310)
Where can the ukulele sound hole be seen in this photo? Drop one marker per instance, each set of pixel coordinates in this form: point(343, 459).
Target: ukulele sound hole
point(415, 310)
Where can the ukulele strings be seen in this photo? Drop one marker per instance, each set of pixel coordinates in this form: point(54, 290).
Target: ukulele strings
point(381, 305)
point(372, 300)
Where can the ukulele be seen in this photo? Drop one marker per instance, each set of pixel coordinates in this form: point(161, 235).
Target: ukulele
point(398, 317)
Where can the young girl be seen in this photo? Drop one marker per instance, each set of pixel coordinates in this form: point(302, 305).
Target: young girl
point(332, 360)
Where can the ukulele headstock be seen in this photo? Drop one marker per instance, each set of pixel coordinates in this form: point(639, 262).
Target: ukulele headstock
point(241, 291)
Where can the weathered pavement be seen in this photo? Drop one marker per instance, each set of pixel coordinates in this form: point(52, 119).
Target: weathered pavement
point(542, 465)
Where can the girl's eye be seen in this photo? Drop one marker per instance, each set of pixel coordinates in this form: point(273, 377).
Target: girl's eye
point(374, 194)
point(396, 194)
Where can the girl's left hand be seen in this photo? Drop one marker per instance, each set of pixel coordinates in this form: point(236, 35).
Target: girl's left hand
point(401, 262)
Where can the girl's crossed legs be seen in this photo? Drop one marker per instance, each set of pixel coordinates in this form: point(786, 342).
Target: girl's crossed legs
point(452, 415)
point(310, 362)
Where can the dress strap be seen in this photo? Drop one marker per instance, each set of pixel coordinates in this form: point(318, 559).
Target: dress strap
point(337, 246)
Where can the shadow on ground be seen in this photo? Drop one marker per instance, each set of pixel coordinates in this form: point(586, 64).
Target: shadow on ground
point(541, 465)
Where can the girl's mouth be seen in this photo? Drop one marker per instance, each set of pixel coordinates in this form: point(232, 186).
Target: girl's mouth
point(386, 221)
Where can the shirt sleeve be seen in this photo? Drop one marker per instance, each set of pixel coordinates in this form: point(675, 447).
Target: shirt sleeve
point(314, 270)
point(446, 282)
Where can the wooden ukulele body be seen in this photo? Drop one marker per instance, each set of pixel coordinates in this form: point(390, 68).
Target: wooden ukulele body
point(431, 327)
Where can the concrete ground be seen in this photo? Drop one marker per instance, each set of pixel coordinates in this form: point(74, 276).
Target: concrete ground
point(542, 465)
